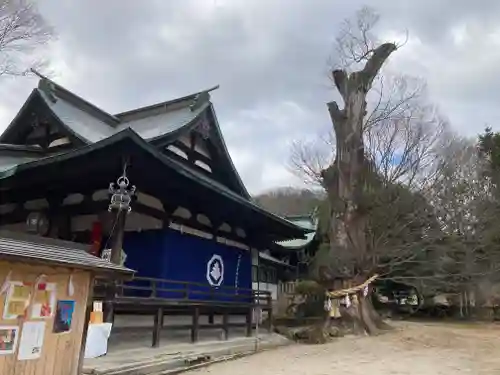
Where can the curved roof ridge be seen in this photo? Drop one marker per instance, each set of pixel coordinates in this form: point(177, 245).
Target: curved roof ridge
point(52, 88)
point(192, 98)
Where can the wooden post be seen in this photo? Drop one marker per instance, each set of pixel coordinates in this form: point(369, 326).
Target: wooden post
point(158, 325)
point(195, 329)
point(270, 320)
point(225, 324)
point(117, 237)
point(109, 314)
point(249, 322)
point(270, 313)
point(55, 216)
point(154, 288)
point(116, 252)
point(88, 311)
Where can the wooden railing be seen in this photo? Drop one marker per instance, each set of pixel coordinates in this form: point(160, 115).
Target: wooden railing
point(154, 289)
point(286, 288)
point(158, 296)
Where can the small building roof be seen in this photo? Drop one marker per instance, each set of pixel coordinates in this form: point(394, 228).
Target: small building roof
point(12, 249)
point(307, 222)
point(270, 258)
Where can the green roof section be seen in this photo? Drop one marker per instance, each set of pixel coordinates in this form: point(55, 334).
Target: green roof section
point(309, 223)
point(10, 162)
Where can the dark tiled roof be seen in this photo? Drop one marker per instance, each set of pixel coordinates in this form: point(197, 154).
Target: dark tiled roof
point(24, 251)
point(189, 173)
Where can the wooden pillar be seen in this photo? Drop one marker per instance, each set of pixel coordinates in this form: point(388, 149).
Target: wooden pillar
point(108, 310)
point(88, 310)
point(158, 325)
point(117, 237)
point(225, 324)
point(249, 322)
point(195, 329)
point(118, 228)
point(56, 217)
point(270, 320)
point(270, 313)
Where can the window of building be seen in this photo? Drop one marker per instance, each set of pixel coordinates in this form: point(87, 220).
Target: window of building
point(273, 275)
point(267, 275)
point(262, 275)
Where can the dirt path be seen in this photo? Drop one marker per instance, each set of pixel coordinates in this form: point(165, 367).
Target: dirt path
point(411, 349)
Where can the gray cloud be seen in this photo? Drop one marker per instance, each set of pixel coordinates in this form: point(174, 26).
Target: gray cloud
point(270, 58)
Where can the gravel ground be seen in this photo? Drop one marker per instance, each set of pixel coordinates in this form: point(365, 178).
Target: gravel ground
point(410, 349)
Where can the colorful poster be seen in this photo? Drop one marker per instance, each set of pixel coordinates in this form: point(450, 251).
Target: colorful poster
point(17, 300)
point(64, 316)
point(31, 342)
point(8, 339)
point(44, 301)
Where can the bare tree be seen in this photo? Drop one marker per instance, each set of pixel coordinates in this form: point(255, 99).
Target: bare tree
point(23, 30)
point(404, 148)
point(406, 197)
point(467, 213)
point(351, 174)
point(396, 108)
point(401, 134)
point(355, 40)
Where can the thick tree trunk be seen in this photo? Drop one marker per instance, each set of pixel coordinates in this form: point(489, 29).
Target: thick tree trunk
point(373, 315)
point(346, 179)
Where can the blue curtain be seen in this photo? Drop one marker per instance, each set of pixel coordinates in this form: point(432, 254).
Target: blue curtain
point(171, 255)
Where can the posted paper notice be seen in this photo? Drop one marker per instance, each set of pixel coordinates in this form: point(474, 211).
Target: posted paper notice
point(31, 342)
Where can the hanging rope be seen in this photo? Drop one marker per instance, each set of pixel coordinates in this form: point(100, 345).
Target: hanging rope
point(352, 290)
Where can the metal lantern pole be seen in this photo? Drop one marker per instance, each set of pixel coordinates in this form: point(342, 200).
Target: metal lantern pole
point(121, 197)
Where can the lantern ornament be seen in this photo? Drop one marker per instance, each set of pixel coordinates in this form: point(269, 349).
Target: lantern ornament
point(121, 196)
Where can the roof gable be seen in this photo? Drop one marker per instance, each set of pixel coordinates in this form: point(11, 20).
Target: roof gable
point(160, 123)
point(235, 175)
point(36, 127)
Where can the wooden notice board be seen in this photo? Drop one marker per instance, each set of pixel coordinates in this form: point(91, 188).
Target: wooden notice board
point(59, 351)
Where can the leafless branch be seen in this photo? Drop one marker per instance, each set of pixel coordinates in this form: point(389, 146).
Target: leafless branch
point(23, 31)
point(401, 136)
point(355, 41)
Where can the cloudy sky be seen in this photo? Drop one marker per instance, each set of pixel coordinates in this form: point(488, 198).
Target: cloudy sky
point(270, 59)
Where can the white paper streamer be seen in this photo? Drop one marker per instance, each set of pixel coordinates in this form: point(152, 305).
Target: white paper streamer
point(347, 301)
point(365, 291)
point(328, 304)
point(71, 287)
point(6, 283)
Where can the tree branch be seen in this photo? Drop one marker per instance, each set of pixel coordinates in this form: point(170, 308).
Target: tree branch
point(375, 62)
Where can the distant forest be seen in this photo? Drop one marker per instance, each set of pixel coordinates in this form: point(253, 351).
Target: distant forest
point(289, 201)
